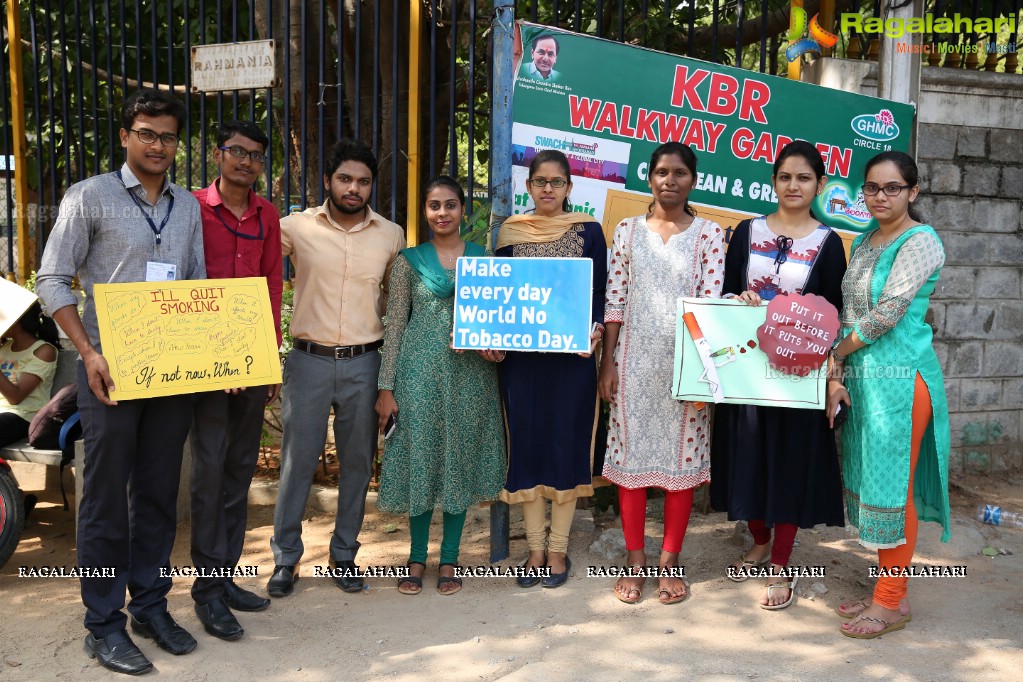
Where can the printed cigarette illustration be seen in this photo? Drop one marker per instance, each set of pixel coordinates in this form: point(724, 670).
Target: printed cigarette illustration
point(710, 373)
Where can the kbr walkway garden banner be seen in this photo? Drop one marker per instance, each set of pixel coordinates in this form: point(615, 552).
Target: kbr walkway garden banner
point(607, 106)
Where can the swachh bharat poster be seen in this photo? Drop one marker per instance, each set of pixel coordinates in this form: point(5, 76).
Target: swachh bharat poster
point(607, 106)
point(168, 338)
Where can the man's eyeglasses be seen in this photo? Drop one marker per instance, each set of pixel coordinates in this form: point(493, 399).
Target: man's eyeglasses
point(545, 53)
point(870, 189)
point(240, 153)
point(149, 137)
point(556, 183)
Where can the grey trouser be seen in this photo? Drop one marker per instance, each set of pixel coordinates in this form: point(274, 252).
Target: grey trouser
point(312, 385)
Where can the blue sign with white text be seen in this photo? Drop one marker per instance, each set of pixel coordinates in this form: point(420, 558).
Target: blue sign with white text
point(524, 304)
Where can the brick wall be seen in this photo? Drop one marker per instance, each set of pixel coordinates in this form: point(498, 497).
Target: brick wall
point(970, 153)
point(972, 192)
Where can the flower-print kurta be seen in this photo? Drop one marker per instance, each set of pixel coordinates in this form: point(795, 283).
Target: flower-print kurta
point(653, 439)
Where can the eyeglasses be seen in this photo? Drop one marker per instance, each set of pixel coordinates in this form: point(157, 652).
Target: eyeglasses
point(240, 153)
point(556, 183)
point(870, 189)
point(545, 53)
point(149, 137)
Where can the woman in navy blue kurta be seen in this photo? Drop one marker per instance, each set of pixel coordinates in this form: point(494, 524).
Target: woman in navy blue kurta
point(550, 399)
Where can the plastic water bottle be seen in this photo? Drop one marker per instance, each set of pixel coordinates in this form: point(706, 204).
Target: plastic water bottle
point(996, 516)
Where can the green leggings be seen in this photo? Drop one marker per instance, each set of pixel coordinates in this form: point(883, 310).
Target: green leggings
point(419, 529)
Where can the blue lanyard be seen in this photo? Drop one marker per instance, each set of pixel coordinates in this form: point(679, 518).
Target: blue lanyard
point(259, 217)
point(152, 226)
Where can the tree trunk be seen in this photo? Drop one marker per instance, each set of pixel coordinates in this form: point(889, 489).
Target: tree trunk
point(295, 92)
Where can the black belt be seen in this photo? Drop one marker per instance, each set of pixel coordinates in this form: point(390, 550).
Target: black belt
point(337, 352)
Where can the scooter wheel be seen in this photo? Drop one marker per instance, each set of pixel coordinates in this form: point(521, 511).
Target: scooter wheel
point(12, 515)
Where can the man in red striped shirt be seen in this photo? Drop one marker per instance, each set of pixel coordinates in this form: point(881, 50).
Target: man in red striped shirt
point(242, 238)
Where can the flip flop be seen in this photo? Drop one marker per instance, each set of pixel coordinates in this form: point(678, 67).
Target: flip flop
point(888, 627)
point(908, 616)
point(448, 580)
point(846, 614)
point(746, 565)
point(790, 586)
point(411, 580)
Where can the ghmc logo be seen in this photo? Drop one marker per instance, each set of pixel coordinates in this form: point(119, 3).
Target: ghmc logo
point(819, 38)
point(879, 127)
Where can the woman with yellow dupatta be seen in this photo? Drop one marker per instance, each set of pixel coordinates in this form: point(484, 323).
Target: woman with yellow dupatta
point(550, 399)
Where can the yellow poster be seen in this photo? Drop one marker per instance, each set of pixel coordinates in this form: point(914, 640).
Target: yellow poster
point(168, 338)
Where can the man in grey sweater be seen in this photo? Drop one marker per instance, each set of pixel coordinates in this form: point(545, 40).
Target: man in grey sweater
point(131, 225)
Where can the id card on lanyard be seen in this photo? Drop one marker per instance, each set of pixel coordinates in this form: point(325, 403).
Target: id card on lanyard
point(156, 270)
point(158, 231)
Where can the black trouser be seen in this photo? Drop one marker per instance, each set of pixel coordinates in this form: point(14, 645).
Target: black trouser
point(12, 428)
point(225, 447)
point(127, 517)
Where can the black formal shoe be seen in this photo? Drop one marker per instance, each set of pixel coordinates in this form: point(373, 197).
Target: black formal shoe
point(243, 600)
point(218, 620)
point(117, 652)
point(558, 579)
point(168, 635)
point(532, 576)
point(347, 577)
point(282, 582)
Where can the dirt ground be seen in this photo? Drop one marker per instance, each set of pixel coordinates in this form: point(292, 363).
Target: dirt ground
point(963, 628)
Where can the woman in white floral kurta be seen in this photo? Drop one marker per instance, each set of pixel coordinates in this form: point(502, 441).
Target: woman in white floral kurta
point(654, 440)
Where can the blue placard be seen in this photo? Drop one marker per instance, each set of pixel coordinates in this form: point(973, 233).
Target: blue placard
point(523, 304)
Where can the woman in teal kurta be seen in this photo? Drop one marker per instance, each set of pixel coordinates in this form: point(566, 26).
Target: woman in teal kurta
point(895, 444)
point(448, 449)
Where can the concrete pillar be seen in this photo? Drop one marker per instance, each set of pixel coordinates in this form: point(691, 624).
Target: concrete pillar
point(898, 72)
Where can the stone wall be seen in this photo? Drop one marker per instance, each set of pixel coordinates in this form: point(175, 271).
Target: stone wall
point(970, 153)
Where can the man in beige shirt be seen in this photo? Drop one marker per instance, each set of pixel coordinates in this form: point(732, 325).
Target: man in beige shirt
point(342, 252)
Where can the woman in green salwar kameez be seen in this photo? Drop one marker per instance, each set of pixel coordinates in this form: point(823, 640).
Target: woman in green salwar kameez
point(895, 444)
point(448, 449)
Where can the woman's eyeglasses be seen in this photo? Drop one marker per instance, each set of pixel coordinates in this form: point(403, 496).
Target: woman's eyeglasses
point(556, 183)
point(870, 189)
point(240, 153)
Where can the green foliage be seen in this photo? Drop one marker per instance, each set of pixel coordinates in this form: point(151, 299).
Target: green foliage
point(287, 311)
point(476, 226)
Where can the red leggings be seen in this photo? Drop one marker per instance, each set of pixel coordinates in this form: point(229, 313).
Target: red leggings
point(678, 504)
point(784, 538)
point(890, 591)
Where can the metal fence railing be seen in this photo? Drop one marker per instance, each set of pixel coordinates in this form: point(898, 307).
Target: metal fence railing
point(344, 69)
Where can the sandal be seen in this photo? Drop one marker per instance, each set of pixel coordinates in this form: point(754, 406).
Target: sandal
point(738, 574)
point(416, 582)
point(887, 626)
point(638, 589)
point(790, 586)
point(665, 596)
point(448, 580)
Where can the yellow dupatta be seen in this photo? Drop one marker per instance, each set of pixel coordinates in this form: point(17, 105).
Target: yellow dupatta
point(529, 228)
